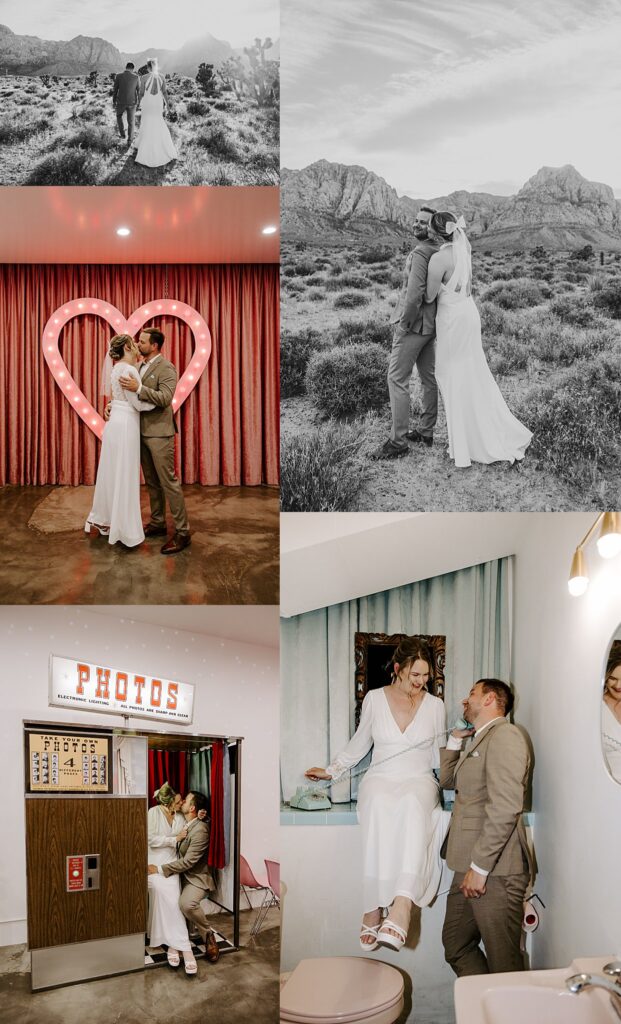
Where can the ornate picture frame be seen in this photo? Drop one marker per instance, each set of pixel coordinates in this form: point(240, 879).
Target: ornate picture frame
point(372, 653)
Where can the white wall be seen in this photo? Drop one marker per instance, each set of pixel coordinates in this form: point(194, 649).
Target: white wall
point(236, 694)
point(560, 644)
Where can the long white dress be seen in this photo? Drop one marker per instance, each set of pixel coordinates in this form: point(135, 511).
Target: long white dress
point(116, 504)
point(481, 427)
point(611, 740)
point(398, 801)
point(167, 925)
point(154, 144)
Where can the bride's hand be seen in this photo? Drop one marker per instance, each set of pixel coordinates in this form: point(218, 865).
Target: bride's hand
point(317, 773)
point(461, 734)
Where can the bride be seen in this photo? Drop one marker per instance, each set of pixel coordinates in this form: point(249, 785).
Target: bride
point(167, 926)
point(116, 504)
point(154, 146)
point(481, 428)
point(398, 803)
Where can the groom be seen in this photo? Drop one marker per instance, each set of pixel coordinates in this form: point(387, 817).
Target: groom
point(413, 345)
point(157, 441)
point(125, 96)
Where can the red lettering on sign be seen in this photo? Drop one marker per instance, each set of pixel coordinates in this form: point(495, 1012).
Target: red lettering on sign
point(75, 874)
point(103, 683)
point(84, 674)
point(139, 682)
point(173, 689)
point(121, 686)
point(156, 693)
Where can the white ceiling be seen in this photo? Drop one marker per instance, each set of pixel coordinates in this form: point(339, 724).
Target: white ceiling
point(250, 624)
point(303, 529)
point(168, 225)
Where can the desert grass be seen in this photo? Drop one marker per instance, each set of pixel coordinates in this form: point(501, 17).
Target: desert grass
point(551, 332)
point(221, 140)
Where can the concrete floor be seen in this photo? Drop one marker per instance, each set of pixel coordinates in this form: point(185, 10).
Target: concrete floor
point(242, 987)
point(46, 558)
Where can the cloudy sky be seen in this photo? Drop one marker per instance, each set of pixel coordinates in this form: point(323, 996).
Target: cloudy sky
point(474, 94)
point(138, 24)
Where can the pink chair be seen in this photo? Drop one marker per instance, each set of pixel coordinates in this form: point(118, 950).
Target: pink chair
point(247, 880)
point(272, 895)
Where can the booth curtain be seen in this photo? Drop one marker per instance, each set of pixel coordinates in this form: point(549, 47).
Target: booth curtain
point(228, 426)
point(471, 607)
point(167, 766)
point(217, 851)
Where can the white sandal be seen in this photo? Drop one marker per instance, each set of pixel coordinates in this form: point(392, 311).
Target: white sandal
point(189, 964)
point(172, 955)
point(393, 941)
point(368, 947)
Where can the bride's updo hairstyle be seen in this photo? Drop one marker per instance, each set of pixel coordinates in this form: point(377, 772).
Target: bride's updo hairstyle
point(119, 345)
point(409, 650)
point(438, 224)
point(165, 794)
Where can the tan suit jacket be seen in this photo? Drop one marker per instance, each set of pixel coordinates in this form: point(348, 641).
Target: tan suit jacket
point(192, 857)
point(159, 381)
point(411, 311)
point(489, 778)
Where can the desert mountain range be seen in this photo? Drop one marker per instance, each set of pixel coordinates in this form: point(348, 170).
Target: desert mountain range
point(556, 208)
point(29, 55)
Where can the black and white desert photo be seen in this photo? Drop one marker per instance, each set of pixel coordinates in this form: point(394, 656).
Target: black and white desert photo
point(451, 255)
point(139, 93)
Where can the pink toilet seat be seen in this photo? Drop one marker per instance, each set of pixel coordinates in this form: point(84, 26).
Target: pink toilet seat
point(342, 990)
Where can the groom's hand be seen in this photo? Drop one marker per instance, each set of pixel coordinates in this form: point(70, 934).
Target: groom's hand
point(473, 884)
point(107, 411)
point(152, 869)
point(130, 383)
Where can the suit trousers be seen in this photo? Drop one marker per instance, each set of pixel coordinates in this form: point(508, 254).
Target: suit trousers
point(409, 350)
point(494, 918)
point(131, 120)
point(157, 458)
point(190, 905)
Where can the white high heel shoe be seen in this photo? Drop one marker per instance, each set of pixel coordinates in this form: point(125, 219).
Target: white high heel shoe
point(393, 941)
point(368, 947)
point(104, 531)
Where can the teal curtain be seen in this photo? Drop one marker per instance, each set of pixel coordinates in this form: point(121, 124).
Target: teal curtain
point(471, 607)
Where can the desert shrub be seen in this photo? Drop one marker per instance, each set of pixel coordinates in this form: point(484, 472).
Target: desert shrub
point(348, 300)
point(98, 140)
point(314, 278)
point(288, 271)
point(16, 132)
point(508, 356)
point(374, 255)
point(493, 319)
point(517, 293)
point(352, 379)
point(295, 353)
point(381, 276)
point(66, 167)
point(564, 345)
point(375, 332)
point(197, 107)
point(301, 269)
point(608, 299)
point(573, 309)
point(318, 469)
point(218, 143)
point(315, 295)
point(576, 421)
point(337, 284)
point(564, 286)
point(293, 286)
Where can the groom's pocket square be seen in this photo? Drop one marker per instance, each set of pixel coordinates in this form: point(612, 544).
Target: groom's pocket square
point(475, 753)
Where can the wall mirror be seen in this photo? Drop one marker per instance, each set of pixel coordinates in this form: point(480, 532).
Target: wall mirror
point(611, 708)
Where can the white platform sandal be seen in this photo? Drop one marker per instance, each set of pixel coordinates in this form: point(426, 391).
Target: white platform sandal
point(392, 941)
point(368, 947)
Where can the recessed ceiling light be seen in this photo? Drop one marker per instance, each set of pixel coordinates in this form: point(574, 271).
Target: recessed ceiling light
point(269, 230)
point(123, 232)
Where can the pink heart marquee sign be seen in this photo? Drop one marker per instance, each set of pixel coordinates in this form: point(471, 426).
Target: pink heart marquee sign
point(118, 323)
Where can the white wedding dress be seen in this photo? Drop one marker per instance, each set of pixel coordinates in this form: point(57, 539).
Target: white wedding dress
point(481, 427)
point(154, 144)
point(399, 808)
point(167, 925)
point(116, 504)
point(611, 738)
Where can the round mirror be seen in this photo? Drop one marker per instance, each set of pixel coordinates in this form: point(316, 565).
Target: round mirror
point(611, 708)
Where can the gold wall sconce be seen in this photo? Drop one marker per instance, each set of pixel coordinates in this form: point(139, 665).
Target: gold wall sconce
point(608, 545)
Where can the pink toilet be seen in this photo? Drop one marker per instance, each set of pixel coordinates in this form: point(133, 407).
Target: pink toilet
point(340, 990)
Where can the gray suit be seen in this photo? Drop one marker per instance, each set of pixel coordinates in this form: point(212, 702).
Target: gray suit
point(413, 344)
point(196, 877)
point(125, 98)
point(157, 444)
point(489, 778)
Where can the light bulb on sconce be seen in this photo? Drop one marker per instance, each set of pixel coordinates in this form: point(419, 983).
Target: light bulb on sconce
point(269, 230)
point(123, 232)
point(608, 546)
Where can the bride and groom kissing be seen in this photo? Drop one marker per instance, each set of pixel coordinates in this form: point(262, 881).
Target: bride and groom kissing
point(437, 328)
point(147, 94)
point(139, 431)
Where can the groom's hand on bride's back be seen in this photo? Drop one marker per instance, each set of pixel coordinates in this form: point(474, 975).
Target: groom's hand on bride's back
point(130, 383)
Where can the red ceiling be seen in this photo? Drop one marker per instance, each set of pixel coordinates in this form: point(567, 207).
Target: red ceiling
point(169, 225)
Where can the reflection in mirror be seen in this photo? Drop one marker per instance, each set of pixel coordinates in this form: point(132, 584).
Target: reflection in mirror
point(611, 709)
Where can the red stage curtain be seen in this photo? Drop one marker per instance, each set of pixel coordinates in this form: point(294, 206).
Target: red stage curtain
point(167, 766)
point(217, 857)
point(228, 427)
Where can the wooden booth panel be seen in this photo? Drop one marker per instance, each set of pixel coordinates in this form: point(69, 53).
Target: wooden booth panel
point(56, 829)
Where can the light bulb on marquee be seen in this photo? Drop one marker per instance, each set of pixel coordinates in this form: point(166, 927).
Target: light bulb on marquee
point(120, 325)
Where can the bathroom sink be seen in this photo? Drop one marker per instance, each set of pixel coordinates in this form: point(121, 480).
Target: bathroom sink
point(539, 997)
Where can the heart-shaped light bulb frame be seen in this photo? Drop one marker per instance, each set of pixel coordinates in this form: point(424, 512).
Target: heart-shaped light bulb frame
point(96, 307)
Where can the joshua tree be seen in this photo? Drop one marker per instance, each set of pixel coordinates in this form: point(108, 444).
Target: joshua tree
point(91, 79)
point(206, 78)
point(263, 78)
point(232, 73)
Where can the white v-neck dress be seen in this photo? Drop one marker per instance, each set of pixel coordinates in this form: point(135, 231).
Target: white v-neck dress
point(611, 737)
point(398, 801)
